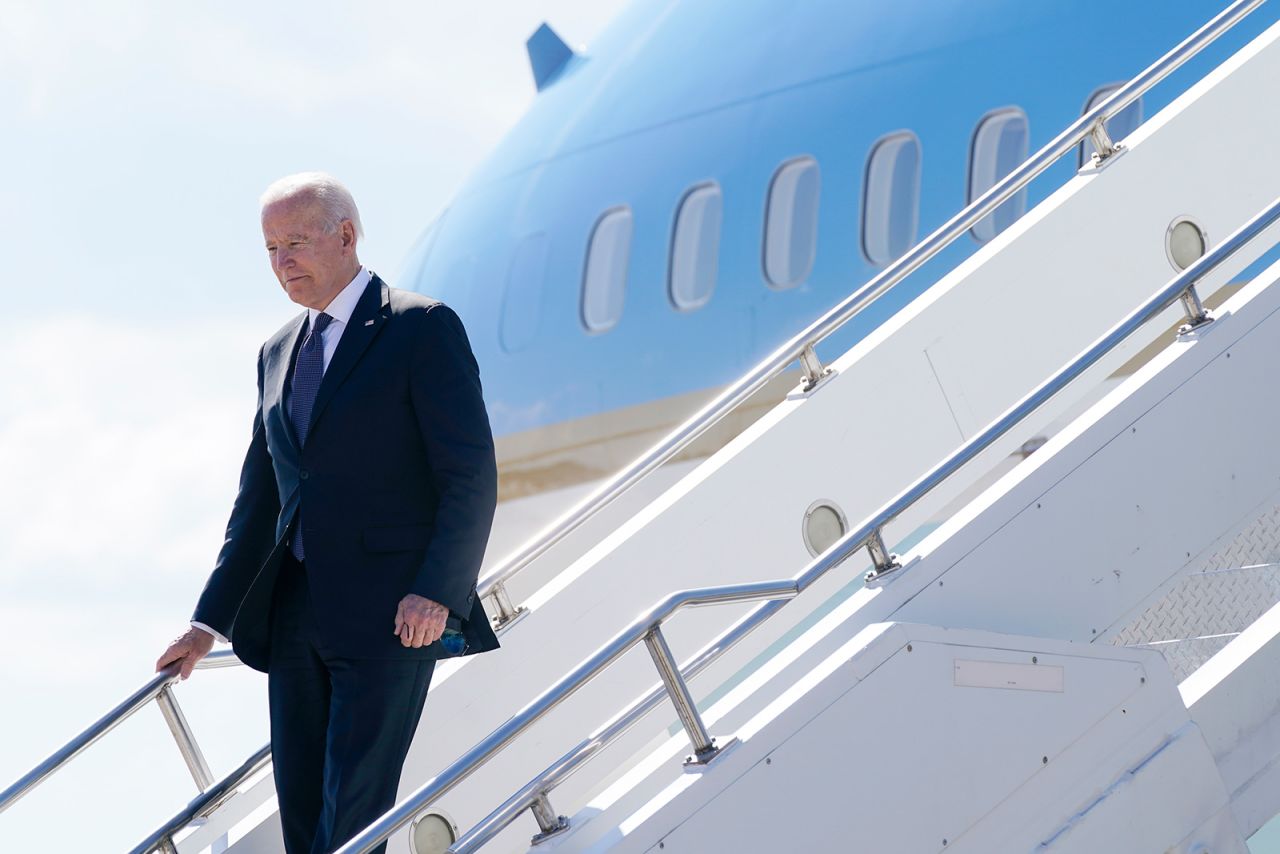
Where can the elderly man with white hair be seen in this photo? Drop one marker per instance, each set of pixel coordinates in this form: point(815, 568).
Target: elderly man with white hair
point(355, 541)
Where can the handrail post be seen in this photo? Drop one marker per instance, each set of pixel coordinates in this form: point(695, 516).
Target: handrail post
point(704, 746)
point(1103, 146)
point(549, 821)
point(507, 611)
point(812, 366)
point(185, 738)
point(883, 561)
point(1196, 315)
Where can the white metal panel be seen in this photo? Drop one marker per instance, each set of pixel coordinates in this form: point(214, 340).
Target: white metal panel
point(1209, 606)
point(1103, 519)
point(885, 753)
point(1235, 699)
point(1171, 801)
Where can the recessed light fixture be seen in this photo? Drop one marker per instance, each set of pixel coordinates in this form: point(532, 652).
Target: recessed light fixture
point(432, 833)
point(1185, 241)
point(824, 523)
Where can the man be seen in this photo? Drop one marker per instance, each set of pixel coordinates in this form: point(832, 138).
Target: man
point(363, 512)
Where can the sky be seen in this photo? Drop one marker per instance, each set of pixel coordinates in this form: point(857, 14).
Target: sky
point(138, 136)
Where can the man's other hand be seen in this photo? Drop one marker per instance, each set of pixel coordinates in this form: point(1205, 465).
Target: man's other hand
point(419, 621)
point(186, 650)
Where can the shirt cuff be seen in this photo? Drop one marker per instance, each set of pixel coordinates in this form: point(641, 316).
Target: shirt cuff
point(217, 634)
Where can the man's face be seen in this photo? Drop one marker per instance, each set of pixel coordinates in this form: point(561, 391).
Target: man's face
point(312, 263)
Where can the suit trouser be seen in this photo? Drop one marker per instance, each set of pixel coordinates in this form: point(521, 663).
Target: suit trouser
point(340, 727)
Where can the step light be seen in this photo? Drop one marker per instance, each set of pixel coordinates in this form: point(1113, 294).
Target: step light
point(824, 523)
point(432, 833)
point(1184, 242)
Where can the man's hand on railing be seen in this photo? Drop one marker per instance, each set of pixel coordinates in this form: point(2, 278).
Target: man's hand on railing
point(186, 650)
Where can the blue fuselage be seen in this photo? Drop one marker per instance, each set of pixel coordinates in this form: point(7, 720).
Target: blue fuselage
point(685, 92)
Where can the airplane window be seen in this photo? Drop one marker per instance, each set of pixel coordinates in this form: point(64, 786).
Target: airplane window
point(1119, 126)
point(522, 302)
point(891, 197)
point(999, 146)
point(791, 223)
point(695, 248)
point(605, 281)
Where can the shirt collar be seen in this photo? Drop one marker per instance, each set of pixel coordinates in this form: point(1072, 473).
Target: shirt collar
point(341, 306)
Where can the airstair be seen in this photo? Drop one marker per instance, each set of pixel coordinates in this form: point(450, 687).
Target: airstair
point(989, 693)
point(1026, 690)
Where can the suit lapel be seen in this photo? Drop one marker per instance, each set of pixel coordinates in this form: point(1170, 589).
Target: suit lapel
point(366, 322)
point(276, 375)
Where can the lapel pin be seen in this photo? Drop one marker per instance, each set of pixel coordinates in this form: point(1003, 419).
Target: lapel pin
point(368, 323)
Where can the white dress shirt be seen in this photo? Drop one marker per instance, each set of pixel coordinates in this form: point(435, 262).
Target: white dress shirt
point(340, 309)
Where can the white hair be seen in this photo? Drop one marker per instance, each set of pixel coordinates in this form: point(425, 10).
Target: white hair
point(326, 191)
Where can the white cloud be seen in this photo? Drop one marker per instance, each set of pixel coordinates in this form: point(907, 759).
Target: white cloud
point(461, 64)
point(119, 445)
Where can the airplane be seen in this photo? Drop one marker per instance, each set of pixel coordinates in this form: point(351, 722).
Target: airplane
point(710, 176)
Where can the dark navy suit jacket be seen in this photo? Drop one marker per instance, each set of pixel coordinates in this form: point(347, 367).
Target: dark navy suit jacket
point(397, 484)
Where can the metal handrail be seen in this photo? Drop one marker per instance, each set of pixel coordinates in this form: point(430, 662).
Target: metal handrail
point(204, 803)
point(645, 628)
point(158, 689)
point(609, 732)
point(868, 535)
point(801, 346)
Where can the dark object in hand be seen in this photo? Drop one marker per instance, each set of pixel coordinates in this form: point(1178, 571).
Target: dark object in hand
point(453, 641)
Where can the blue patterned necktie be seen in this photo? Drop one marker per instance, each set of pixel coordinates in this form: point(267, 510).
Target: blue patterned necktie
point(307, 373)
